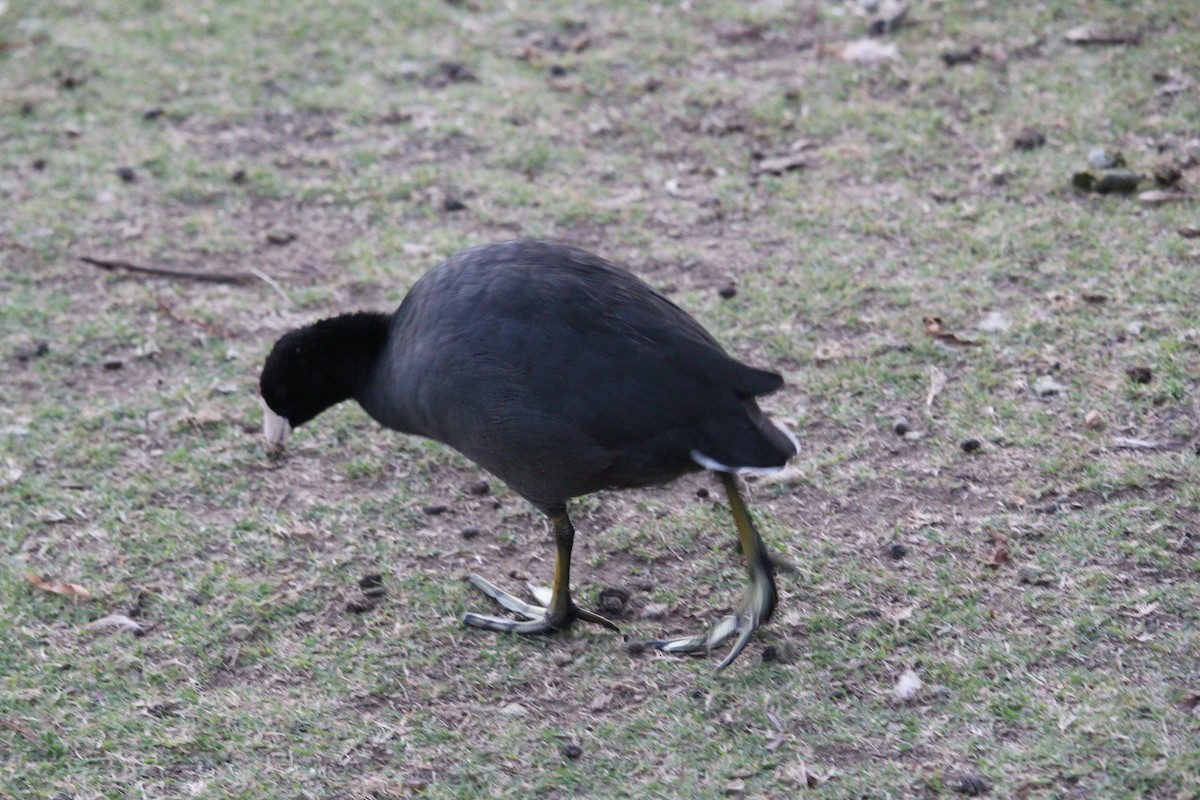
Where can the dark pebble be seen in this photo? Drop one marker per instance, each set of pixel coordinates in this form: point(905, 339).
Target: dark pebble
point(453, 204)
point(897, 551)
point(1166, 175)
point(1117, 181)
point(126, 174)
point(152, 113)
point(479, 488)
point(967, 55)
point(23, 353)
point(239, 176)
point(727, 291)
point(370, 581)
point(281, 237)
point(697, 694)
point(38, 164)
point(702, 493)
point(635, 648)
point(112, 364)
point(359, 606)
point(572, 751)
point(558, 71)
point(1139, 374)
point(436, 509)
point(971, 445)
point(1028, 139)
point(470, 533)
point(613, 600)
point(27, 108)
point(900, 426)
point(972, 785)
point(770, 653)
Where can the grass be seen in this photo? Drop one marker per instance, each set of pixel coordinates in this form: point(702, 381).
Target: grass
point(346, 125)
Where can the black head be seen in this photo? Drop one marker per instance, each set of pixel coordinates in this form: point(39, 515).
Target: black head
point(315, 367)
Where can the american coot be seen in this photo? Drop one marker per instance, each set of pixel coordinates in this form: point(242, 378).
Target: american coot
point(562, 375)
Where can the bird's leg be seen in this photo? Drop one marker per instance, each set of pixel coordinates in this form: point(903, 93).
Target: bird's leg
point(558, 613)
point(759, 601)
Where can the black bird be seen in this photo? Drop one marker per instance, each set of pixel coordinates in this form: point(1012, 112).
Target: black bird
point(562, 375)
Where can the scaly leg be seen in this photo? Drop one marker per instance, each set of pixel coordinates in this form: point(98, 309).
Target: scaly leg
point(758, 603)
point(558, 613)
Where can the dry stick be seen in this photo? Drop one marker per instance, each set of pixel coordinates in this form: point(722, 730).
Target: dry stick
point(240, 278)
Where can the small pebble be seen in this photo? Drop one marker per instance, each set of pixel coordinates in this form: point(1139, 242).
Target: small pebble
point(1100, 158)
point(966, 55)
point(1094, 420)
point(702, 493)
point(435, 509)
point(770, 653)
point(1139, 374)
point(239, 176)
point(153, 113)
point(572, 751)
point(23, 353)
point(112, 364)
point(1033, 576)
point(971, 445)
point(1166, 175)
point(38, 164)
point(562, 659)
point(1117, 181)
point(972, 785)
point(1028, 139)
point(359, 606)
point(900, 426)
point(613, 600)
point(727, 291)
point(370, 581)
point(897, 551)
point(470, 533)
point(126, 174)
point(280, 238)
point(479, 488)
point(655, 611)
point(453, 204)
point(635, 648)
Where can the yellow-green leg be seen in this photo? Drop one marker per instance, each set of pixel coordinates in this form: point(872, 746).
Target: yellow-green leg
point(759, 602)
point(557, 613)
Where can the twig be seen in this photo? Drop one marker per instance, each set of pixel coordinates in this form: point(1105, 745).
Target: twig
point(239, 278)
point(215, 330)
point(274, 284)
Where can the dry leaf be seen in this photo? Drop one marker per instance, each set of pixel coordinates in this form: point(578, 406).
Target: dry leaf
point(907, 686)
point(999, 554)
point(600, 702)
point(118, 623)
point(777, 165)
point(70, 589)
point(1156, 197)
point(869, 51)
point(937, 382)
point(1085, 35)
point(828, 350)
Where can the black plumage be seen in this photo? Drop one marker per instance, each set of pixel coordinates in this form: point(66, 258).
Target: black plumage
point(549, 367)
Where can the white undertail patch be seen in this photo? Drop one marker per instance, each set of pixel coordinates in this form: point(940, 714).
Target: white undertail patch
point(717, 466)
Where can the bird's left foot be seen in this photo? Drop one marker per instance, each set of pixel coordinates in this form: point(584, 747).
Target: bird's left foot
point(755, 609)
point(543, 618)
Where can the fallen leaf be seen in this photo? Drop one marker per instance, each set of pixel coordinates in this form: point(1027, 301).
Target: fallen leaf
point(937, 382)
point(600, 702)
point(116, 622)
point(907, 686)
point(70, 589)
point(1085, 35)
point(999, 555)
point(869, 51)
point(1132, 443)
point(1157, 197)
point(777, 165)
point(828, 350)
point(1046, 386)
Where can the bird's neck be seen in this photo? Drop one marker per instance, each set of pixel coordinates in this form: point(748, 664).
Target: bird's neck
point(354, 344)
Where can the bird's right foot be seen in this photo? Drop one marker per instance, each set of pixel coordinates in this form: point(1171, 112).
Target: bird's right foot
point(544, 618)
